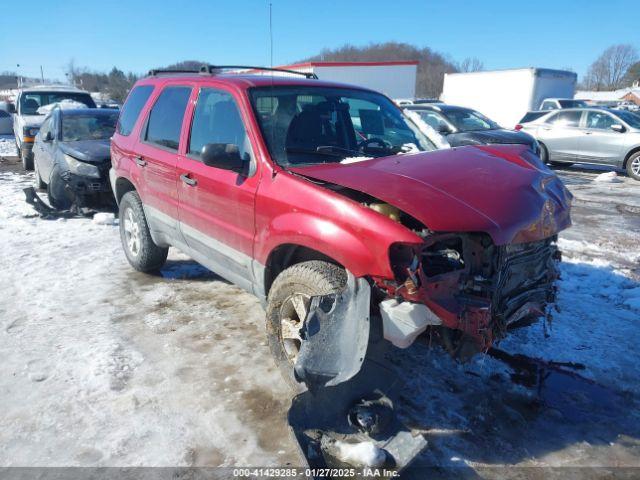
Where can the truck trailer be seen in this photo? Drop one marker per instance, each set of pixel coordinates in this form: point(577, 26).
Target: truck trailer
point(506, 95)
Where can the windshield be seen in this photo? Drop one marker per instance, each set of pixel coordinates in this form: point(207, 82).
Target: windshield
point(572, 103)
point(632, 119)
point(88, 127)
point(469, 121)
point(30, 102)
point(309, 125)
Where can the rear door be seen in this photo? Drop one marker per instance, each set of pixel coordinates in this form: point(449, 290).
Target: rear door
point(598, 143)
point(560, 133)
point(216, 205)
point(156, 158)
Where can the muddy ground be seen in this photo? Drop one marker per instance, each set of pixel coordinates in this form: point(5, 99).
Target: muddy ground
point(104, 366)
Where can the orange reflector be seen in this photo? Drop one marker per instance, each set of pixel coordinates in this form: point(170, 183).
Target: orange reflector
point(28, 139)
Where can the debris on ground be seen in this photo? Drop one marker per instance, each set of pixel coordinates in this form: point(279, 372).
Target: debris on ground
point(104, 218)
point(607, 177)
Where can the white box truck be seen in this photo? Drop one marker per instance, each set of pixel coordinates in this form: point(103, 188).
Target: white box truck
point(506, 95)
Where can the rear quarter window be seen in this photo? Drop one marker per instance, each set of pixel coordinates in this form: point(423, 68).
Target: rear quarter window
point(132, 108)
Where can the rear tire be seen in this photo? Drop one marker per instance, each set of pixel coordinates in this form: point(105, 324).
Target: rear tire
point(27, 163)
point(288, 300)
point(139, 248)
point(633, 166)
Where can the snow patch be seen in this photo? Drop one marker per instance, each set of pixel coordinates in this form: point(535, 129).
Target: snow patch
point(104, 218)
point(365, 454)
point(607, 177)
point(427, 129)
point(354, 159)
point(66, 104)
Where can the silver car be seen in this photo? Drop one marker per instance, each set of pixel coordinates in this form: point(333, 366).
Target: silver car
point(589, 135)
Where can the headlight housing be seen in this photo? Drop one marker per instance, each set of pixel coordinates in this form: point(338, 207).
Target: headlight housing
point(78, 167)
point(30, 131)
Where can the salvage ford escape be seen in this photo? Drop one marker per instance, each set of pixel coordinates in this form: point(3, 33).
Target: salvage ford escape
point(330, 205)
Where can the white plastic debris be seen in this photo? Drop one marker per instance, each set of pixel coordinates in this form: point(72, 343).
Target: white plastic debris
point(403, 322)
point(354, 159)
point(365, 454)
point(103, 218)
point(607, 177)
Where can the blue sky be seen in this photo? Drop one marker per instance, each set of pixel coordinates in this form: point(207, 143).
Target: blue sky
point(139, 34)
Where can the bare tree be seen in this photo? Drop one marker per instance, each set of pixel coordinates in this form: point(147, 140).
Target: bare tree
point(609, 70)
point(471, 64)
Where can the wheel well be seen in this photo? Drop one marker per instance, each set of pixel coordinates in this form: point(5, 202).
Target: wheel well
point(122, 186)
point(626, 159)
point(284, 256)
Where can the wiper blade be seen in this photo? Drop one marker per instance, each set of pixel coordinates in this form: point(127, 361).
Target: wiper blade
point(314, 152)
point(335, 149)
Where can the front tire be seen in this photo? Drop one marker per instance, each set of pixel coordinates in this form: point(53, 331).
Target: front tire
point(39, 182)
point(287, 306)
point(633, 166)
point(139, 248)
point(59, 196)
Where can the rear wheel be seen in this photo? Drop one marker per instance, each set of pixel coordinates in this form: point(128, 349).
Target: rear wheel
point(27, 160)
point(139, 248)
point(633, 166)
point(288, 305)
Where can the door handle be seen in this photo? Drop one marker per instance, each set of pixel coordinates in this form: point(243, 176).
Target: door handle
point(141, 162)
point(192, 182)
point(588, 133)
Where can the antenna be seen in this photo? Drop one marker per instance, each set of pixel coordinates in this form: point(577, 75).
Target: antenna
point(271, 34)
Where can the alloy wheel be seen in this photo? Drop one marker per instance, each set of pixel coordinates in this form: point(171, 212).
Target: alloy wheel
point(293, 313)
point(132, 232)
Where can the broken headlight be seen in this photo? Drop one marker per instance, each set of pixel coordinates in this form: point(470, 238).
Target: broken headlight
point(84, 169)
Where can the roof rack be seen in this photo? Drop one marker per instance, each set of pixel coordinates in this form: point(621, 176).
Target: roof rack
point(213, 69)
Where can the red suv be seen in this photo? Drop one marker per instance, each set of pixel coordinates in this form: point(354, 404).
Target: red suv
point(330, 205)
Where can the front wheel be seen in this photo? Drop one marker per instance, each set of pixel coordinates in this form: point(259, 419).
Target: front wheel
point(633, 166)
point(27, 160)
point(39, 182)
point(139, 248)
point(288, 305)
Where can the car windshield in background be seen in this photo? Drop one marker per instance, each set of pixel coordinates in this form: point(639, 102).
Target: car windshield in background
point(30, 102)
point(468, 120)
point(76, 127)
point(572, 103)
point(632, 119)
point(309, 125)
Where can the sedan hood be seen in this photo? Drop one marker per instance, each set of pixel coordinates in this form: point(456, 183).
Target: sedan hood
point(93, 151)
point(484, 137)
point(502, 190)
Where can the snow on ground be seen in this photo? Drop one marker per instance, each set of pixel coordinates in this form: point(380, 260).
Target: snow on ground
point(105, 366)
point(7, 146)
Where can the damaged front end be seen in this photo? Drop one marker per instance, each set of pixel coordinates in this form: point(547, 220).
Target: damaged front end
point(477, 289)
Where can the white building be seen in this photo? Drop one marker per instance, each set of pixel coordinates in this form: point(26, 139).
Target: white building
point(394, 79)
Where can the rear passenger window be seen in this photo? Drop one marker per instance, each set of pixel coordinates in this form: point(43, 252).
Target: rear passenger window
point(565, 119)
point(217, 120)
point(165, 119)
point(132, 107)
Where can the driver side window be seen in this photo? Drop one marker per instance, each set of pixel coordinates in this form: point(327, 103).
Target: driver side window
point(217, 119)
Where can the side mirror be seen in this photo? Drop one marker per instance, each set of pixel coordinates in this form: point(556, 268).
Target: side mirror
point(616, 127)
point(222, 155)
point(444, 129)
point(48, 137)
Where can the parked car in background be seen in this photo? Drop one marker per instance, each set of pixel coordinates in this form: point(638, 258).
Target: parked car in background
point(72, 157)
point(464, 126)
point(560, 103)
point(6, 122)
point(415, 101)
point(27, 119)
point(627, 105)
point(589, 135)
point(327, 203)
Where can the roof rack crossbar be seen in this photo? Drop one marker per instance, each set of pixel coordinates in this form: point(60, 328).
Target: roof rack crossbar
point(210, 69)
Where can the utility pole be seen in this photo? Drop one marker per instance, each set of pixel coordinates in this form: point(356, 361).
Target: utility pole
point(42, 74)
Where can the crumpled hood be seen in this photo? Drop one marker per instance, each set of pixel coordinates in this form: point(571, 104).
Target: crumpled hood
point(502, 190)
point(93, 151)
